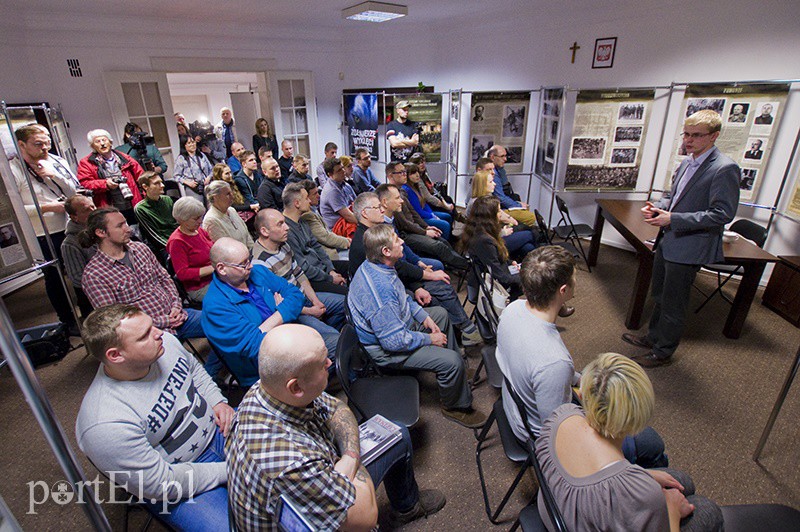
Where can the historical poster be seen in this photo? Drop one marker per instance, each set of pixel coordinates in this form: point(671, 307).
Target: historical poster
point(608, 134)
point(426, 111)
point(499, 118)
point(361, 115)
point(14, 253)
point(794, 204)
point(549, 128)
point(750, 116)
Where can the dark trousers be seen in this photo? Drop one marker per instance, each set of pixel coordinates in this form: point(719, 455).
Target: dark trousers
point(342, 268)
point(52, 282)
point(395, 470)
point(671, 288)
point(436, 248)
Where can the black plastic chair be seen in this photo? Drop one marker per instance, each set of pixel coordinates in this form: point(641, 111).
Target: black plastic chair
point(487, 320)
point(395, 397)
point(186, 301)
point(569, 232)
point(548, 238)
point(772, 517)
point(747, 229)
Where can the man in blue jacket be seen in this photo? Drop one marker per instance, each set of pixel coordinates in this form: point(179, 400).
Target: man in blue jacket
point(243, 303)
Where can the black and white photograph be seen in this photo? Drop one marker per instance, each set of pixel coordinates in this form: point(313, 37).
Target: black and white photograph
point(601, 177)
point(478, 113)
point(480, 143)
point(631, 112)
point(554, 130)
point(699, 104)
point(755, 149)
point(11, 249)
point(748, 179)
point(550, 151)
point(513, 120)
point(514, 154)
point(551, 109)
point(766, 114)
point(585, 149)
point(628, 134)
point(738, 114)
point(8, 236)
point(623, 156)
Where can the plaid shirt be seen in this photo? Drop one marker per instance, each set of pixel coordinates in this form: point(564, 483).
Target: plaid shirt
point(274, 449)
point(148, 285)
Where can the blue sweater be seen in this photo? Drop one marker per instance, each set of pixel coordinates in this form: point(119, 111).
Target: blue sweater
point(383, 313)
point(425, 212)
point(231, 321)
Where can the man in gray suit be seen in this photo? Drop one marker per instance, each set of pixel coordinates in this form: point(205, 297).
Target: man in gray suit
point(704, 197)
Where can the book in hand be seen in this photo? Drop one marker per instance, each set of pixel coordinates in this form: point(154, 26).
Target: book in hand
point(377, 434)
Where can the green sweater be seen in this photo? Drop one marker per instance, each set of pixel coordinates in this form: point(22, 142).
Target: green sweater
point(155, 219)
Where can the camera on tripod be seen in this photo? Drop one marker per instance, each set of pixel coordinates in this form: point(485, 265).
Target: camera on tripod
point(139, 141)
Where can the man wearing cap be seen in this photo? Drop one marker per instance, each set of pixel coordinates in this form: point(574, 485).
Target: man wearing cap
point(402, 133)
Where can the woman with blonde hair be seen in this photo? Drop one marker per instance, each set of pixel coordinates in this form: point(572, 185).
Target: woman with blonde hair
point(222, 172)
point(581, 455)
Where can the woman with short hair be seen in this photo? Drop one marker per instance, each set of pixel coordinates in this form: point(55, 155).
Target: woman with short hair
point(221, 218)
point(189, 247)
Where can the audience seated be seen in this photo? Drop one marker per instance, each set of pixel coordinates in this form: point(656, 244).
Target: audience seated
point(323, 311)
point(154, 212)
point(246, 211)
point(242, 304)
point(291, 439)
point(189, 247)
point(221, 219)
point(324, 274)
point(249, 179)
point(503, 190)
point(110, 175)
point(271, 188)
point(76, 257)
point(336, 199)
point(286, 160)
point(436, 251)
point(437, 201)
point(429, 286)
point(582, 457)
point(192, 169)
point(150, 151)
point(363, 178)
point(264, 139)
point(538, 364)
point(331, 150)
point(399, 334)
point(153, 421)
point(415, 196)
point(233, 161)
point(332, 243)
point(299, 171)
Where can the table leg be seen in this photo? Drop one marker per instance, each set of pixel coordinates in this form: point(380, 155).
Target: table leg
point(744, 298)
point(594, 247)
point(641, 286)
point(778, 404)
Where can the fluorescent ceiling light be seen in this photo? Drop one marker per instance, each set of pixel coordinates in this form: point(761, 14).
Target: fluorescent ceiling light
point(374, 12)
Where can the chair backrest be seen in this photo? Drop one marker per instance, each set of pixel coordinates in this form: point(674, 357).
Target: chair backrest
point(751, 231)
point(542, 226)
point(184, 295)
point(549, 500)
point(348, 351)
point(488, 318)
point(564, 210)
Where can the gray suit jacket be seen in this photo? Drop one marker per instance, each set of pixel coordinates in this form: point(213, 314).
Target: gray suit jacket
point(698, 216)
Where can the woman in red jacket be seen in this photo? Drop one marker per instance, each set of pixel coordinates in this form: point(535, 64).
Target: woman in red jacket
point(110, 175)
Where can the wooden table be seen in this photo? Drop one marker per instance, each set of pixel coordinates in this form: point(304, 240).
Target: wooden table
point(626, 217)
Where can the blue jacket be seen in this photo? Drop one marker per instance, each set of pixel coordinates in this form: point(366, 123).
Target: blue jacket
point(501, 187)
point(249, 189)
point(231, 321)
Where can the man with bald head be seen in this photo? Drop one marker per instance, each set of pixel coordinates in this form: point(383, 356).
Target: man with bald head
point(290, 439)
point(286, 160)
point(323, 311)
point(233, 161)
point(243, 303)
point(509, 200)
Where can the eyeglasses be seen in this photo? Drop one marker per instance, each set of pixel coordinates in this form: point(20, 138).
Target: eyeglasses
point(244, 266)
point(694, 135)
point(398, 173)
point(373, 207)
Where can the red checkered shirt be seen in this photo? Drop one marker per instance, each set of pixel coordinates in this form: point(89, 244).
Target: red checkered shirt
point(148, 285)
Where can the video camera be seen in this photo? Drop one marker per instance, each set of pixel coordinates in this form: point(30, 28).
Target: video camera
point(204, 130)
point(139, 141)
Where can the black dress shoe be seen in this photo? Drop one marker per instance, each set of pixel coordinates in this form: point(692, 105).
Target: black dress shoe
point(638, 341)
point(565, 311)
point(650, 360)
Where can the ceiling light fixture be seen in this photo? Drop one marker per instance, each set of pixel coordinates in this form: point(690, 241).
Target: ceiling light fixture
point(374, 12)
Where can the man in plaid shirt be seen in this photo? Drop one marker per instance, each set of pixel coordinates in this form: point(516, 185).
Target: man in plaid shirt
point(291, 439)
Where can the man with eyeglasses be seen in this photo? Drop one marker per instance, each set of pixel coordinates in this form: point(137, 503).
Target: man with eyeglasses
point(243, 303)
point(363, 178)
point(509, 200)
point(703, 198)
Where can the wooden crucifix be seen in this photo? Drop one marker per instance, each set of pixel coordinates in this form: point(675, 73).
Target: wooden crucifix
point(574, 49)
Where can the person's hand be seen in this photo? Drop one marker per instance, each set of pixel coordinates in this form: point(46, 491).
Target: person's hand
point(422, 296)
point(432, 232)
point(278, 299)
point(431, 325)
point(449, 207)
point(223, 416)
point(158, 170)
point(438, 339)
point(507, 230)
point(254, 207)
point(44, 171)
point(647, 210)
point(424, 266)
point(349, 241)
point(524, 205)
point(53, 206)
point(662, 218)
point(347, 465)
point(337, 279)
point(678, 502)
point(436, 275)
point(176, 317)
point(665, 480)
point(317, 309)
point(110, 183)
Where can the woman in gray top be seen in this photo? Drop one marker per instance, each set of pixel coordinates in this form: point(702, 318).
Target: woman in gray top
point(595, 487)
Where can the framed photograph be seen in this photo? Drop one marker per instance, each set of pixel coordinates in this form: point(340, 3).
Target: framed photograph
point(604, 52)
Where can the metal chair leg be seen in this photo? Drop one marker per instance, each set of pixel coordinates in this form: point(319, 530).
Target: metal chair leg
point(778, 405)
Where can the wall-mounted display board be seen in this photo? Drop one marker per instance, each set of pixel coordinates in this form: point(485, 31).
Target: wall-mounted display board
point(361, 116)
point(608, 135)
point(751, 114)
point(499, 118)
point(793, 208)
point(551, 107)
point(426, 111)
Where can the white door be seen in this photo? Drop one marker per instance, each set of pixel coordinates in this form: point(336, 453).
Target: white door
point(143, 98)
point(243, 105)
point(294, 107)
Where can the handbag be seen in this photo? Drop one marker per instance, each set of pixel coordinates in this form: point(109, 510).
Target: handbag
point(493, 298)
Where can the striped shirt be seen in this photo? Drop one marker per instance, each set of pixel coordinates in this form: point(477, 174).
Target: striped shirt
point(275, 449)
point(281, 263)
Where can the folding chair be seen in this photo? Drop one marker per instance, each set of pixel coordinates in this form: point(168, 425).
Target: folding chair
point(747, 229)
point(571, 232)
point(548, 238)
point(487, 320)
point(395, 397)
